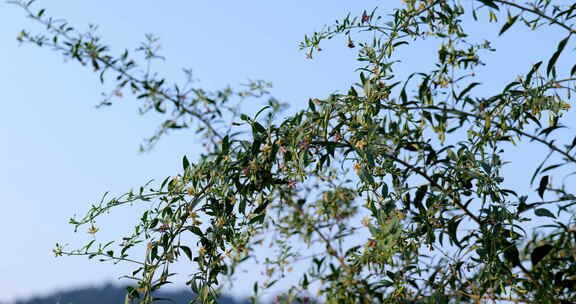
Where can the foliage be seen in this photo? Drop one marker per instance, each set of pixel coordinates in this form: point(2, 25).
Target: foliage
point(395, 187)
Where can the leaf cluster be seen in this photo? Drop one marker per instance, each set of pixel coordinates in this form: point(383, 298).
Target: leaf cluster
point(393, 192)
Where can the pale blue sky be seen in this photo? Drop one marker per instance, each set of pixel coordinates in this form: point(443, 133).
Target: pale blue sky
point(59, 154)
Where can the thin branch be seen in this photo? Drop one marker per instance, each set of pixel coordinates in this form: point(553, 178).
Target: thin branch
point(539, 13)
point(110, 64)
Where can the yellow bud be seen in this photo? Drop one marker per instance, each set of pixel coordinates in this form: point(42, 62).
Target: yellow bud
point(92, 230)
point(191, 191)
point(366, 221)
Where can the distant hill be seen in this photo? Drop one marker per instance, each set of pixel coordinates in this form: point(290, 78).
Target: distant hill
point(112, 294)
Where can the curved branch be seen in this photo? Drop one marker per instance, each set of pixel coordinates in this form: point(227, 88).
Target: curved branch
point(539, 13)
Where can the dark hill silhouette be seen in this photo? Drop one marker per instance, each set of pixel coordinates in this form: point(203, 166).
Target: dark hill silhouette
point(112, 294)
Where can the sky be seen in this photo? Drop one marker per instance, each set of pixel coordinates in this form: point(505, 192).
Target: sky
point(59, 154)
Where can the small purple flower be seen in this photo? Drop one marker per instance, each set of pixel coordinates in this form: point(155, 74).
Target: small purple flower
point(366, 17)
point(164, 227)
point(337, 137)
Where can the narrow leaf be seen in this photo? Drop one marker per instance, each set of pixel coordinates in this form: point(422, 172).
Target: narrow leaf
point(532, 71)
point(544, 212)
point(539, 253)
point(539, 168)
point(244, 117)
point(467, 89)
point(258, 218)
point(420, 193)
point(259, 128)
point(490, 3)
point(261, 207)
point(187, 251)
point(542, 186)
point(548, 130)
point(511, 21)
point(225, 145)
point(452, 231)
point(551, 167)
point(512, 255)
point(573, 144)
point(384, 190)
point(185, 163)
point(556, 54)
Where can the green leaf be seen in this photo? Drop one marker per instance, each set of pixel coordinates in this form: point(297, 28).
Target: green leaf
point(259, 218)
point(362, 78)
point(311, 105)
point(535, 68)
point(352, 92)
point(467, 89)
point(259, 128)
point(424, 93)
point(548, 130)
point(244, 117)
point(573, 144)
point(384, 190)
point(157, 286)
point(403, 95)
point(556, 54)
point(453, 229)
point(185, 163)
point(261, 110)
point(490, 3)
point(154, 252)
point(400, 43)
point(164, 182)
point(508, 24)
point(418, 197)
point(544, 212)
point(385, 283)
point(539, 253)
point(542, 187)
point(532, 118)
point(261, 207)
point(420, 193)
point(512, 255)
point(225, 145)
point(196, 231)
point(551, 167)
point(132, 292)
point(255, 288)
point(187, 251)
point(153, 223)
point(242, 206)
point(486, 166)
point(366, 176)
point(539, 168)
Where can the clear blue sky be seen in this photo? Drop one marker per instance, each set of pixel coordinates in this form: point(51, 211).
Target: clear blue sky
point(58, 154)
